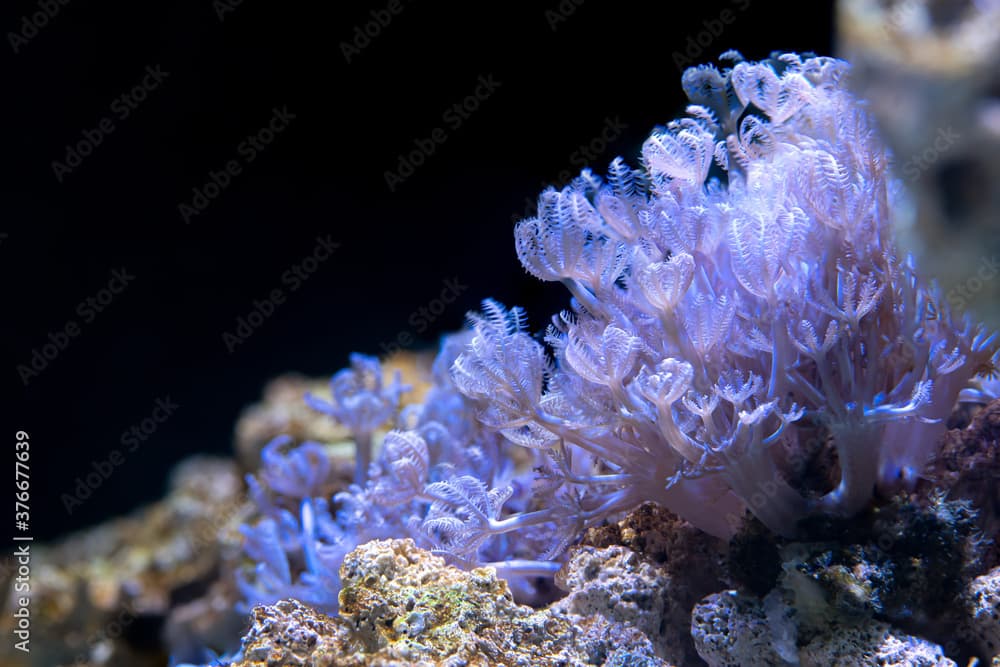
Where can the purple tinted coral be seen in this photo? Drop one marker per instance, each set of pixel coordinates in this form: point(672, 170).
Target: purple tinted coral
point(737, 305)
point(718, 324)
point(362, 402)
point(299, 473)
point(440, 478)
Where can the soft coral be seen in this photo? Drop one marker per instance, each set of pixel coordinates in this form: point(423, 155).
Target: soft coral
point(708, 318)
point(735, 302)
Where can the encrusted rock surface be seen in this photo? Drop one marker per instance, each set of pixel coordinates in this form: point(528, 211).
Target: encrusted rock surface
point(663, 538)
point(968, 467)
point(291, 633)
point(982, 622)
point(400, 605)
point(878, 589)
point(731, 629)
point(614, 582)
point(874, 644)
point(691, 561)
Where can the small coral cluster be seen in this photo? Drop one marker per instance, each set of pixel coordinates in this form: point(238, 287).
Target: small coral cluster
point(441, 479)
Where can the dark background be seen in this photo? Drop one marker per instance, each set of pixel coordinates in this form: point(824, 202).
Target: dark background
point(324, 175)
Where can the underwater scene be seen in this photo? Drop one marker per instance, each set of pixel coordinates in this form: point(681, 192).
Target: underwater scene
point(581, 333)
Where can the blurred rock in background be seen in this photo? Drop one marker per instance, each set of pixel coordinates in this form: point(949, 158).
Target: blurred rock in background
point(931, 70)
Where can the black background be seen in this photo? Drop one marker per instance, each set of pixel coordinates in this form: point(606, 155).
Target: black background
point(324, 175)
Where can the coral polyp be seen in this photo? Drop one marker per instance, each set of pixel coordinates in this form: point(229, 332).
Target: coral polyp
point(738, 307)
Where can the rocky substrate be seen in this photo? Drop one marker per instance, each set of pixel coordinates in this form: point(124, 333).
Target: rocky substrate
point(913, 581)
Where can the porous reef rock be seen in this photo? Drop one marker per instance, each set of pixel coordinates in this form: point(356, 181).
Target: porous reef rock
point(732, 629)
point(648, 569)
point(877, 590)
point(400, 605)
point(982, 622)
point(968, 468)
point(616, 584)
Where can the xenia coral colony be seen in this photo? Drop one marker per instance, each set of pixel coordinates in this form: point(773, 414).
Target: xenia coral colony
point(738, 310)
